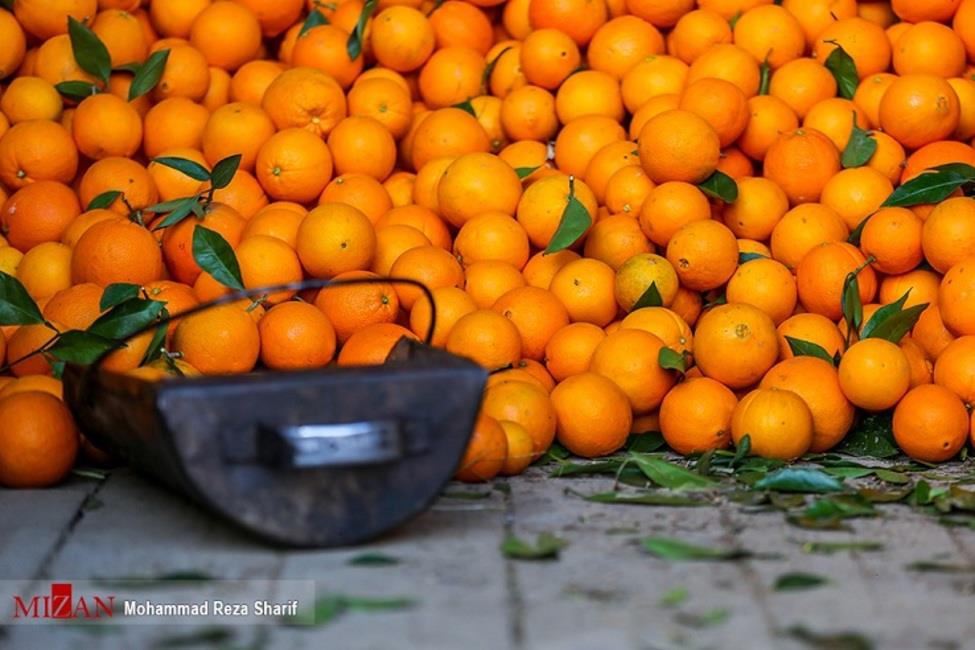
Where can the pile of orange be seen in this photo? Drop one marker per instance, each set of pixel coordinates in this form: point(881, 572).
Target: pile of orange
point(640, 215)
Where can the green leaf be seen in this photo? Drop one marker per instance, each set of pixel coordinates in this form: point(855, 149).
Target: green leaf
point(148, 74)
point(844, 70)
point(734, 19)
point(223, 172)
point(373, 559)
point(829, 640)
point(828, 548)
point(668, 548)
point(183, 208)
point(668, 475)
point(132, 68)
point(748, 257)
point(828, 512)
point(573, 225)
point(354, 44)
point(802, 348)
point(645, 442)
point(103, 200)
point(673, 596)
point(860, 148)
point(117, 293)
point(89, 52)
point(705, 619)
point(546, 547)
point(191, 168)
point(466, 105)
point(156, 345)
point(76, 90)
point(849, 472)
point(931, 186)
point(609, 466)
point(524, 172)
point(800, 479)
point(489, 68)
point(720, 186)
point(215, 256)
point(211, 636)
point(894, 325)
point(650, 298)
point(857, 232)
point(889, 476)
point(877, 495)
point(940, 567)
point(852, 305)
point(330, 607)
point(126, 318)
point(872, 436)
point(672, 360)
point(646, 499)
point(744, 447)
point(314, 19)
point(797, 581)
point(765, 76)
point(78, 347)
point(16, 305)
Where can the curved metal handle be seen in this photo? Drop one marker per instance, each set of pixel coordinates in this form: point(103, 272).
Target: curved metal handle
point(331, 445)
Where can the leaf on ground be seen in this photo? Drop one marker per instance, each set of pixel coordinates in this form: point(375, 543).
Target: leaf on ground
point(800, 479)
point(674, 596)
point(895, 495)
point(890, 476)
point(849, 472)
point(668, 548)
point(668, 475)
point(645, 442)
point(829, 548)
point(373, 559)
point(645, 499)
point(609, 466)
point(872, 436)
point(933, 566)
point(330, 607)
point(798, 580)
point(546, 547)
point(704, 619)
point(829, 640)
point(205, 637)
point(90, 472)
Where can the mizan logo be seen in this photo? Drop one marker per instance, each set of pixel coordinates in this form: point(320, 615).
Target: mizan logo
point(61, 603)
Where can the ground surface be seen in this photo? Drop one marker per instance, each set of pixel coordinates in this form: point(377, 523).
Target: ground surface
point(604, 591)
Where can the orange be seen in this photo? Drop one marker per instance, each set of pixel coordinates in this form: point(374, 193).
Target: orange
point(116, 250)
point(485, 282)
point(177, 240)
point(548, 56)
point(175, 17)
point(294, 165)
point(765, 284)
point(615, 239)
point(402, 38)
point(816, 15)
point(802, 229)
point(45, 269)
point(35, 383)
point(352, 307)
point(82, 223)
point(822, 273)
point(427, 180)
point(593, 415)
point(476, 183)
point(543, 203)
point(652, 79)
point(30, 98)
point(956, 297)
point(399, 186)
point(833, 118)
point(295, 335)
point(589, 92)
point(770, 33)
point(447, 132)
point(423, 219)
point(54, 62)
point(579, 19)
point(954, 368)
point(492, 236)
point(186, 73)
point(335, 238)
point(451, 303)
point(536, 313)
point(526, 404)
point(487, 338)
point(735, 344)
point(360, 191)
point(922, 370)
point(227, 33)
point(636, 275)
point(458, 23)
point(811, 328)
point(607, 161)
point(696, 416)
point(630, 358)
point(731, 63)
point(37, 213)
point(371, 345)
point(931, 424)
point(391, 242)
point(275, 16)
point(948, 234)
point(37, 150)
point(964, 23)
point(678, 146)
point(15, 44)
point(486, 453)
point(769, 118)
point(105, 125)
point(220, 340)
point(528, 113)
point(570, 349)
point(930, 332)
point(520, 447)
point(760, 205)
point(75, 307)
point(802, 163)
point(120, 174)
point(704, 254)
point(39, 442)
point(122, 35)
point(362, 145)
point(919, 109)
point(929, 48)
point(47, 19)
point(817, 383)
point(663, 323)
point(856, 193)
point(778, 424)
point(935, 154)
point(244, 194)
point(874, 374)
point(24, 342)
point(892, 237)
point(430, 265)
point(721, 104)
point(178, 298)
point(889, 157)
point(922, 284)
point(172, 183)
point(266, 261)
point(252, 79)
point(695, 32)
point(581, 139)
point(801, 84)
point(670, 206)
point(965, 89)
point(863, 40)
point(450, 76)
point(621, 43)
point(236, 128)
point(869, 94)
point(383, 100)
point(306, 98)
